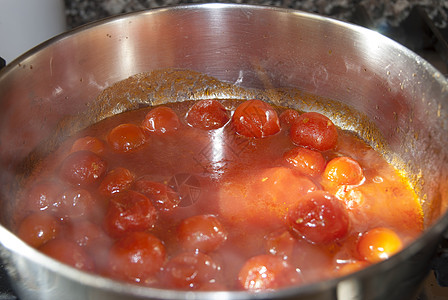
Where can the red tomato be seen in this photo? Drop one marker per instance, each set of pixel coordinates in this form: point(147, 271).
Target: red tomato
point(315, 131)
point(204, 233)
point(190, 270)
point(129, 211)
point(305, 161)
point(88, 143)
point(44, 195)
point(379, 244)
point(117, 180)
point(126, 138)
point(75, 203)
point(162, 196)
point(83, 168)
point(69, 253)
point(38, 228)
point(207, 114)
point(161, 120)
point(288, 117)
point(267, 272)
point(280, 243)
point(137, 257)
point(319, 217)
point(255, 118)
point(344, 171)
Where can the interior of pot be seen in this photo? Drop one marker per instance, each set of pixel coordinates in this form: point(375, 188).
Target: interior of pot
point(51, 91)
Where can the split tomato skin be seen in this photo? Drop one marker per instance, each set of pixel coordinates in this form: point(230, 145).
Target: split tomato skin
point(164, 198)
point(314, 131)
point(256, 119)
point(319, 217)
point(129, 211)
point(116, 180)
point(207, 114)
point(305, 161)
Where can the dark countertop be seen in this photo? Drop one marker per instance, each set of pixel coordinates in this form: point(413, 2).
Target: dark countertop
point(380, 12)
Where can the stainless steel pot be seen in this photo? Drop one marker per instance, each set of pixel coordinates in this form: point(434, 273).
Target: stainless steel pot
point(254, 47)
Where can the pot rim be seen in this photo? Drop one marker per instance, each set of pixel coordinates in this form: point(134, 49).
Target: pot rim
point(16, 246)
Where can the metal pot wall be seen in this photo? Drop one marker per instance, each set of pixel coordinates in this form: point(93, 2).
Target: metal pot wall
point(254, 47)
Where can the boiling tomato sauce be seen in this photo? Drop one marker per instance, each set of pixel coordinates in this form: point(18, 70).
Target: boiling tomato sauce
point(218, 195)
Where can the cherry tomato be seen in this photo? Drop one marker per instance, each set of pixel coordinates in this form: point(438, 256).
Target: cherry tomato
point(161, 120)
point(319, 217)
point(288, 117)
point(190, 270)
point(378, 244)
point(126, 138)
point(38, 228)
point(207, 114)
point(344, 171)
point(202, 232)
point(315, 131)
point(69, 253)
point(117, 180)
point(129, 211)
point(88, 143)
point(280, 243)
point(305, 161)
point(44, 195)
point(162, 196)
point(137, 257)
point(75, 203)
point(255, 118)
point(267, 272)
point(83, 168)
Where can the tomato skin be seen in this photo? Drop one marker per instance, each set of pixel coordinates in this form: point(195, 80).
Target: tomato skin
point(69, 253)
point(204, 233)
point(83, 168)
point(88, 143)
point(126, 138)
point(378, 244)
point(267, 272)
point(76, 203)
point(288, 117)
point(305, 161)
point(44, 195)
point(38, 228)
point(256, 119)
point(319, 217)
point(344, 170)
point(162, 196)
point(137, 257)
point(116, 180)
point(129, 211)
point(161, 120)
point(207, 114)
point(190, 270)
point(314, 131)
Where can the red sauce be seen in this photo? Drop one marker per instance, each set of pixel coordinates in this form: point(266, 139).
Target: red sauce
point(218, 195)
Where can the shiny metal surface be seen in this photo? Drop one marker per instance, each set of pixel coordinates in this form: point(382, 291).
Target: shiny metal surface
point(253, 47)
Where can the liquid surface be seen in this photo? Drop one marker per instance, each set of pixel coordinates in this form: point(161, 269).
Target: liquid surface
point(209, 207)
